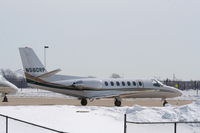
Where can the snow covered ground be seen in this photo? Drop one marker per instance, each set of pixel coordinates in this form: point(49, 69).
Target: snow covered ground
point(93, 119)
point(33, 92)
point(78, 119)
point(189, 95)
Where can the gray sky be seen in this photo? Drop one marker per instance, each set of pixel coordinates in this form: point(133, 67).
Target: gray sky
point(134, 38)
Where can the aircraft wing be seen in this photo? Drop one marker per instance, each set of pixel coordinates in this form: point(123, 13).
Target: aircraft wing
point(138, 93)
point(6, 87)
point(124, 94)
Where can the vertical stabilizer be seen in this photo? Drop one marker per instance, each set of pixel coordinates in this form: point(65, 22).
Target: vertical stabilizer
point(31, 63)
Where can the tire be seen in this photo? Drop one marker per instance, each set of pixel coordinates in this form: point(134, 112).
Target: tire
point(83, 102)
point(164, 103)
point(118, 103)
point(5, 99)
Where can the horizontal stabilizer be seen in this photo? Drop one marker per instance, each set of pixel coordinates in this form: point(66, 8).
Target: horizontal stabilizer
point(48, 74)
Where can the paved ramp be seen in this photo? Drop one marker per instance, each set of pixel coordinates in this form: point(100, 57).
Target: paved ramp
point(15, 101)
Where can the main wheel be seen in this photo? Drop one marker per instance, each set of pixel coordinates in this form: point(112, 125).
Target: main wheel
point(5, 99)
point(83, 101)
point(118, 102)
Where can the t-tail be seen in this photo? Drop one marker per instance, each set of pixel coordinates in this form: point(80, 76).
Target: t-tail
point(31, 63)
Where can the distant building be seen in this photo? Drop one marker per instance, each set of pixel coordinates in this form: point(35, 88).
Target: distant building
point(183, 85)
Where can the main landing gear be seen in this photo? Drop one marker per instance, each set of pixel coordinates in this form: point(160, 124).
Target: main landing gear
point(118, 101)
point(84, 101)
point(5, 99)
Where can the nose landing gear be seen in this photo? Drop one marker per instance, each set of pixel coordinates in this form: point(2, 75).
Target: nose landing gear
point(164, 102)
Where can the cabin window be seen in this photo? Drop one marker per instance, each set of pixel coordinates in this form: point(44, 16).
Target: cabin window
point(112, 83)
point(134, 83)
point(123, 83)
point(128, 83)
point(106, 83)
point(140, 83)
point(118, 84)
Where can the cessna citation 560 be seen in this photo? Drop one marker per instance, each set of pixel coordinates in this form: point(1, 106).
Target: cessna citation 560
point(86, 88)
point(6, 88)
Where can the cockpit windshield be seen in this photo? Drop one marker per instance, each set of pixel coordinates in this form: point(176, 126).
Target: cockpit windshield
point(157, 83)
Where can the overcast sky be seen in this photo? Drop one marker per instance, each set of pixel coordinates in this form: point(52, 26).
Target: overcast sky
point(134, 38)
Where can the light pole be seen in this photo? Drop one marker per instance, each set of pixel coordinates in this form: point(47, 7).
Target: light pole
point(45, 47)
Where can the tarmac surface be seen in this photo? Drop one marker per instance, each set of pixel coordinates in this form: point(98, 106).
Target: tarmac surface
point(21, 101)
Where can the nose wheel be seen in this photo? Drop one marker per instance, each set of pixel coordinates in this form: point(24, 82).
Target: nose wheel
point(165, 102)
point(118, 102)
point(84, 101)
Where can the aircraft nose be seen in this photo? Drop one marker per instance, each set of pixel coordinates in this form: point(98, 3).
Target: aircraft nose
point(174, 91)
point(177, 92)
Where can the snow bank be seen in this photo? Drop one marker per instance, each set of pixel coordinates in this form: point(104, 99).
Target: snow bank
point(164, 114)
point(189, 95)
point(184, 113)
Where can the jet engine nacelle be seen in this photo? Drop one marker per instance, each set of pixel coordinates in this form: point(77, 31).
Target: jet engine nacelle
point(87, 83)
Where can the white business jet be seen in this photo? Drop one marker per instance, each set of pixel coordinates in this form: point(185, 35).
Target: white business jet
point(6, 88)
point(85, 88)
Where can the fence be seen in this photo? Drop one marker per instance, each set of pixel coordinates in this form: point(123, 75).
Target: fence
point(158, 123)
point(13, 125)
